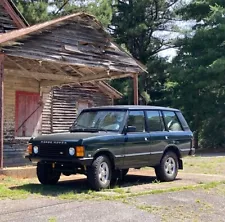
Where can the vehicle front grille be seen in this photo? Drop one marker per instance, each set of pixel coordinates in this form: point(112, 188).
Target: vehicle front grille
point(53, 150)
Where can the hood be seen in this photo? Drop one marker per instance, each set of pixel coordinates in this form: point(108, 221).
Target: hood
point(73, 136)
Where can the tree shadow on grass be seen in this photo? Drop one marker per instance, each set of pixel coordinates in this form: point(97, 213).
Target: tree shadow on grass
point(81, 186)
point(77, 186)
point(134, 180)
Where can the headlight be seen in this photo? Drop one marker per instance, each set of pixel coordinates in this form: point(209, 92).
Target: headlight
point(71, 151)
point(35, 149)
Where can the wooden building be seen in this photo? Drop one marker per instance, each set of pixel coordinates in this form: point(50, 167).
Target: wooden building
point(49, 72)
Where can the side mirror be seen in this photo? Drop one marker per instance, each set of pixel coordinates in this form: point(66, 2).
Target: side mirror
point(131, 129)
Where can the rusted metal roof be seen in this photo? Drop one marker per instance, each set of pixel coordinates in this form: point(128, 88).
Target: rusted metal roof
point(10, 17)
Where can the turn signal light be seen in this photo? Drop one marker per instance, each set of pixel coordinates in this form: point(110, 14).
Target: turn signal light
point(29, 149)
point(80, 151)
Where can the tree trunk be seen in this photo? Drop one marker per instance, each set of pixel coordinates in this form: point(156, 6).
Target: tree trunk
point(196, 136)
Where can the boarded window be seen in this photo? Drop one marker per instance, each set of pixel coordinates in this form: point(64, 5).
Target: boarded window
point(28, 113)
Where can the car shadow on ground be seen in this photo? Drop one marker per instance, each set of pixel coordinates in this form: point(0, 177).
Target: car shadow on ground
point(79, 186)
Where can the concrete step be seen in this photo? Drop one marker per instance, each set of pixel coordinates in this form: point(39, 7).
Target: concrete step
point(19, 172)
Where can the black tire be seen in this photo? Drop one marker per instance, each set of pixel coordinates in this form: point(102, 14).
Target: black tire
point(165, 173)
point(46, 175)
point(96, 180)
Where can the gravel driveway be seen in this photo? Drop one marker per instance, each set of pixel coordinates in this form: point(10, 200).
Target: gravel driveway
point(44, 209)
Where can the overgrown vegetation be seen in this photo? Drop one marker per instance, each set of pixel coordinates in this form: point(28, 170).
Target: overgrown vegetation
point(193, 80)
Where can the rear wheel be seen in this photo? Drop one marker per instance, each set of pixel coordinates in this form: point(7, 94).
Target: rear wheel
point(168, 168)
point(46, 174)
point(99, 174)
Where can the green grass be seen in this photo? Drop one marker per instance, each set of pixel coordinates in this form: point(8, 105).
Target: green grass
point(22, 188)
point(204, 165)
point(52, 219)
point(17, 189)
point(5, 192)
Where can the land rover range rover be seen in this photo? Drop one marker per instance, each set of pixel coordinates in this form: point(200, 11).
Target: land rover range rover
point(104, 142)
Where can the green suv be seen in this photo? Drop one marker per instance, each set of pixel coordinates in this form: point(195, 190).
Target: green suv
point(104, 142)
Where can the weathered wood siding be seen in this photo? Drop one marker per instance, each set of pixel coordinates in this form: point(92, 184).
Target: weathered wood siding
point(59, 112)
point(14, 149)
point(60, 109)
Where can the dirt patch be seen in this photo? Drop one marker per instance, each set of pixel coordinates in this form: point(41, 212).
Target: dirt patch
point(2, 177)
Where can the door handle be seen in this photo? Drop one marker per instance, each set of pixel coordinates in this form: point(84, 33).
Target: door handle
point(166, 137)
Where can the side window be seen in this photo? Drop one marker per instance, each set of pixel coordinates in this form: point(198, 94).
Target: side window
point(137, 119)
point(171, 121)
point(183, 121)
point(154, 121)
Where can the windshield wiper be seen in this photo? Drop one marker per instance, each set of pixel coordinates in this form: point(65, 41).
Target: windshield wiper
point(92, 129)
point(84, 130)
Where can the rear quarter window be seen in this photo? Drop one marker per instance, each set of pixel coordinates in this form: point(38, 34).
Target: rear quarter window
point(171, 121)
point(182, 121)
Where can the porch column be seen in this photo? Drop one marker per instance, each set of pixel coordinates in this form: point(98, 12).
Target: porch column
point(135, 78)
point(1, 107)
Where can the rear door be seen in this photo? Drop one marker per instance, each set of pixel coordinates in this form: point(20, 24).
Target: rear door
point(176, 133)
point(137, 149)
point(157, 135)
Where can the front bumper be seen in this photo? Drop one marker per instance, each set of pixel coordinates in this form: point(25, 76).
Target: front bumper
point(74, 161)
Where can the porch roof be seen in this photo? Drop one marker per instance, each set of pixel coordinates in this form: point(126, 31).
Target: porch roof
point(73, 48)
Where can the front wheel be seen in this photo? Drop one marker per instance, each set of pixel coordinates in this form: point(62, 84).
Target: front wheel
point(168, 168)
point(46, 175)
point(99, 173)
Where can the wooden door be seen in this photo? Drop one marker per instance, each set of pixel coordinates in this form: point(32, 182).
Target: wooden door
point(28, 113)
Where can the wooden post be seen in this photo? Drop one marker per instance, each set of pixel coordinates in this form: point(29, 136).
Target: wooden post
point(112, 99)
point(135, 89)
point(1, 107)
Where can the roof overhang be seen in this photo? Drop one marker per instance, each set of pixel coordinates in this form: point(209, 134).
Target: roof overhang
point(73, 48)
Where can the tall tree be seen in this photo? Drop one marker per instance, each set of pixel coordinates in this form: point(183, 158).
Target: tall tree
point(138, 26)
point(36, 11)
point(197, 76)
point(33, 11)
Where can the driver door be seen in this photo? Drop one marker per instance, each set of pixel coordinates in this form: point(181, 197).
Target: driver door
point(137, 149)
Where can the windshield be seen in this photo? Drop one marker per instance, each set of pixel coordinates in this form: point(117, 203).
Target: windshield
point(99, 120)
